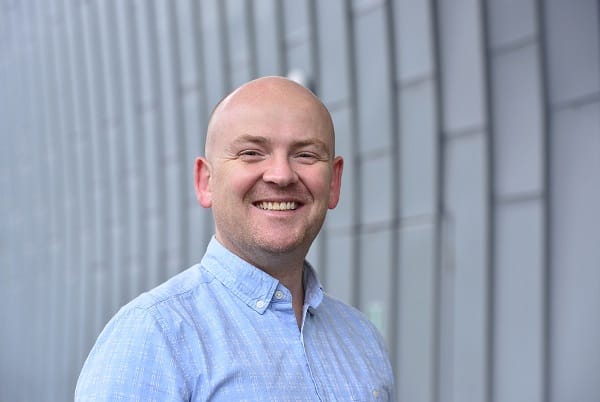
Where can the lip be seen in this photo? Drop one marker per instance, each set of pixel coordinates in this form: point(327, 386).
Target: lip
point(297, 200)
point(277, 200)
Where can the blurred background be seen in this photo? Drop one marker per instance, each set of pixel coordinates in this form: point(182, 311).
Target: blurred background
point(468, 229)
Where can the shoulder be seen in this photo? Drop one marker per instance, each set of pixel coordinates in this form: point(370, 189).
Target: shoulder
point(142, 344)
point(145, 322)
point(179, 286)
point(159, 315)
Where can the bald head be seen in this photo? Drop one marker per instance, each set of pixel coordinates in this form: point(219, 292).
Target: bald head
point(273, 94)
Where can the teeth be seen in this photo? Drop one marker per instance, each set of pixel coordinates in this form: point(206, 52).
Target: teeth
point(277, 206)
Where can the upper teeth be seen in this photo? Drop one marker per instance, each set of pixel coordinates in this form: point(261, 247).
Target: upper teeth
point(277, 206)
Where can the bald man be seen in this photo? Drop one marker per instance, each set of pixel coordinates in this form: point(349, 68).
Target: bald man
point(250, 322)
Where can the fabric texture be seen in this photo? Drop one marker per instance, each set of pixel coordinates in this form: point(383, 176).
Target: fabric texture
point(224, 330)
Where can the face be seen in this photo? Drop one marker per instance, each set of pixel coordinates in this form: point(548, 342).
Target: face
point(269, 174)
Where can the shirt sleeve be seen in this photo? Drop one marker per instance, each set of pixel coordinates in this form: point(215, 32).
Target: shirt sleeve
point(132, 360)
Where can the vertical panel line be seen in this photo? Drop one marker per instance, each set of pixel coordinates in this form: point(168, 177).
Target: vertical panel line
point(39, 148)
point(395, 238)
point(139, 135)
point(440, 226)
point(489, 201)
point(542, 56)
point(314, 83)
point(180, 139)
point(251, 37)
point(159, 266)
point(280, 21)
point(58, 241)
point(226, 54)
point(116, 122)
point(81, 64)
point(99, 150)
point(355, 158)
point(203, 107)
point(73, 245)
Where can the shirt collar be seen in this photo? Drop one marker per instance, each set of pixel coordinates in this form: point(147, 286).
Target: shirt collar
point(251, 284)
point(313, 291)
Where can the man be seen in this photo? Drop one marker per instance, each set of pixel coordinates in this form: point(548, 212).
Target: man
point(250, 322)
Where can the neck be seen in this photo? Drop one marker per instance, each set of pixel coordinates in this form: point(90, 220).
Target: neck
point(286, 267)
point(289, 272)
point(292, 278)
point(293, 282)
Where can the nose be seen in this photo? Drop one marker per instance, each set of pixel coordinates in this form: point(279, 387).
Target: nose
point(280, 172)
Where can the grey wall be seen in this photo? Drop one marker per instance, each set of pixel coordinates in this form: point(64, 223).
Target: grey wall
point(469, 222)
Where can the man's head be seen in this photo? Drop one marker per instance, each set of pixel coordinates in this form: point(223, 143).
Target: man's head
point(269, 172)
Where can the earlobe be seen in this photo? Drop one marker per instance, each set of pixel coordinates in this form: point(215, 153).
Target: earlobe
point(336, 182)
point(202, 173)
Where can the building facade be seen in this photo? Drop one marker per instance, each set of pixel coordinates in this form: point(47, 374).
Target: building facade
point(470, 214)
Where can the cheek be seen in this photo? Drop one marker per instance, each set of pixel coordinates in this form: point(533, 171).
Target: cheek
point(233, 182)
point(318, 182)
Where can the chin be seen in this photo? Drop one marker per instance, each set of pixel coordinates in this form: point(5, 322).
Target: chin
point(282, 246)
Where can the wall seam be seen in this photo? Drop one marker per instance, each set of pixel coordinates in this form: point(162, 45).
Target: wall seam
point(488, 136)
point(547, 362)
point(355, 159)
point(395, 236)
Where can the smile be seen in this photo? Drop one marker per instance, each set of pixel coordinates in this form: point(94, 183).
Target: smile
point(277, 206)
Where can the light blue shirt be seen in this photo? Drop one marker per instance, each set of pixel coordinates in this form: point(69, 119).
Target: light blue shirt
point(224, 330)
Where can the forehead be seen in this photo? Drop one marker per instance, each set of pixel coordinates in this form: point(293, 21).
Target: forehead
point(276, 109)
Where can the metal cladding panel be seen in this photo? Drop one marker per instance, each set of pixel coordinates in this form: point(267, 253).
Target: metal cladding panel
point(468, 219)
point(375, 289)
point(333, 53)
point(376, 197)
point(184, 16)
point(418, 175)
point(214, 56)
point(461, 65)
point(414, 37)
point(573, 49)
point(519, 288)
point(342, 215)
point(467, 278)
point(417, 314)
point(518, 122)
point(268, 48)
point(338, 279)
point(373, 82)
point(511, 21)
point(238, 37)
point(298, 38)
point(575, 253)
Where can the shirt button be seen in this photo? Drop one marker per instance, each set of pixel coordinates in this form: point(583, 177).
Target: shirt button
point(375, 393)
point(279, 295)
point(260, 303)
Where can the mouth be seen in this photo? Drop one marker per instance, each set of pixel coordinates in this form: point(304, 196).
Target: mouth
point(277, 205)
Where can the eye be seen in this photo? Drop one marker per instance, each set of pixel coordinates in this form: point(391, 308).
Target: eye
point(308, 157)
point(250, 155)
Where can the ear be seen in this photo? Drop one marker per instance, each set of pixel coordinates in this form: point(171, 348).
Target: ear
point(202, 174)
point(336, 182)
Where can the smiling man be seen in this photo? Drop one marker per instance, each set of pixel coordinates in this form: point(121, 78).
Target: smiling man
point(250, 322)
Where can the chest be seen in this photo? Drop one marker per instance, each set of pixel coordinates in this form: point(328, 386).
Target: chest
point(267, 358)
